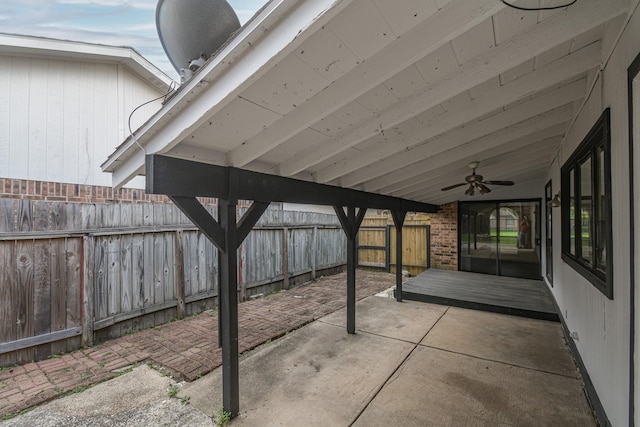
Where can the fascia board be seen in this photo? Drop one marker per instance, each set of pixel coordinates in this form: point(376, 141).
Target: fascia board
point(276, 31)
point(65, 49)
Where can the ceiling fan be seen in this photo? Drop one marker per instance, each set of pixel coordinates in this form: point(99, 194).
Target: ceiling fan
point(476, 182)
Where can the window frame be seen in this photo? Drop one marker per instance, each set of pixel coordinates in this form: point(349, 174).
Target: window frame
point(598, 137)
point(548, 228)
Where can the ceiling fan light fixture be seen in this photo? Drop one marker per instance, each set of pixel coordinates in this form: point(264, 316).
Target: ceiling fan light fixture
point(476, 181)
point(484, 189)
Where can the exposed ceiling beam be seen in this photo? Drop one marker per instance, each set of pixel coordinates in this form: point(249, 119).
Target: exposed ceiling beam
point(549, 33)
point(245, 59)
point(185, 178)
point(434, 194)
point(429, 189)
point(510, 166)
point(470, 152)
point(196, 153)
point(206, 155)
point(532, 186)
point(546, 77)
point(449, 22)
point(484, 134)
point(431, 169)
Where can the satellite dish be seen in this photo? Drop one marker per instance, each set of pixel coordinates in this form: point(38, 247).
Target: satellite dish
point(192, 30)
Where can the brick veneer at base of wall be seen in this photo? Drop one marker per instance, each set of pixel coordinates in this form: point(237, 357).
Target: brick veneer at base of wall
point(444, 237)
point(78, 193)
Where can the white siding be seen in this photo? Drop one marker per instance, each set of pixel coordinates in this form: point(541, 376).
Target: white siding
point(5, 98)
point(59, 120)
point(55, 120)
point(19, 117)
point(71, 123)
point(603, 325)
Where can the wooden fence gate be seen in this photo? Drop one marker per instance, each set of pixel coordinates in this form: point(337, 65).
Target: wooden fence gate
point(376, 243)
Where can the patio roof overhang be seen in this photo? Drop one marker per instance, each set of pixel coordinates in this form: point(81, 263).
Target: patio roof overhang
point(387, 97)
point(358, 102)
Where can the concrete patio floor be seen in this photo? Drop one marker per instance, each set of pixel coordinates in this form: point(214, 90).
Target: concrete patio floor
point(185, 349)
point(410, 364)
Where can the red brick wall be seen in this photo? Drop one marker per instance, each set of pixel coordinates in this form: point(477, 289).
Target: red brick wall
point(78, 193)
point(444, 237)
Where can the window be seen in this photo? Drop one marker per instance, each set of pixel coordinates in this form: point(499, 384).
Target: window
point(586, 207)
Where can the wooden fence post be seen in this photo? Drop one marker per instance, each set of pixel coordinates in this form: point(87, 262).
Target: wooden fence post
point(181, 307)
point(285, 257)
point(88, 243)
point(314, 251)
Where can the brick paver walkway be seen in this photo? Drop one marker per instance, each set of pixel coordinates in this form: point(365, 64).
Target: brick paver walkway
point(187, 348)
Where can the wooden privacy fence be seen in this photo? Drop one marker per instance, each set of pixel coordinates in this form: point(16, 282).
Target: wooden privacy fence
point(70, 273)
point(377, 242)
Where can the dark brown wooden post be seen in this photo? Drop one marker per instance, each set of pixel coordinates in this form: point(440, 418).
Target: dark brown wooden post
point(184, 180)
point(351, 272)
point(351, 224)
point(229, 308)
point(398, 220)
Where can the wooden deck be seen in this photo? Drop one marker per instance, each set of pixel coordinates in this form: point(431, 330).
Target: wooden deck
point(508, 295)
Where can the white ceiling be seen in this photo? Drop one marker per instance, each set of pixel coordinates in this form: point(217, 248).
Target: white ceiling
point(392, 97)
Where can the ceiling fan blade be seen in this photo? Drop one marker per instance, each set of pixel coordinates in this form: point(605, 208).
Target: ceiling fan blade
point(453, 186)
point(498, 182)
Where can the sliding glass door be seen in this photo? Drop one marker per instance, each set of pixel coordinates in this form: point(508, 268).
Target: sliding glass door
point(501, 238)
point(478, 238)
